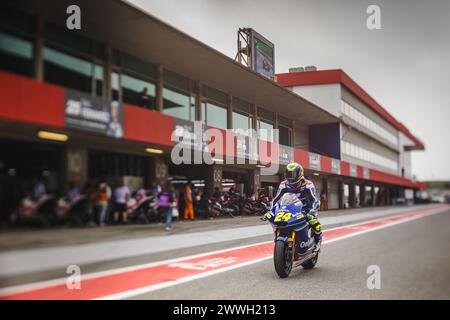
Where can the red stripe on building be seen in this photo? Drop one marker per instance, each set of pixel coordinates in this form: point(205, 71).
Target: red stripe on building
point(26, 100)
point(360, 172)
point(302, 157)
point(325, 164)
point(147, 125)
point(345, 168)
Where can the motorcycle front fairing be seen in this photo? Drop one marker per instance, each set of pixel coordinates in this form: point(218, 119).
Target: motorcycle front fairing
point(290, 225)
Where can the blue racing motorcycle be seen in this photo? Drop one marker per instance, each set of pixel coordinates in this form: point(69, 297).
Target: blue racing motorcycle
point(294, 238)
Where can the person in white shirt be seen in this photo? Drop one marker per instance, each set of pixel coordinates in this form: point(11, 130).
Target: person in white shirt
point(121, 197)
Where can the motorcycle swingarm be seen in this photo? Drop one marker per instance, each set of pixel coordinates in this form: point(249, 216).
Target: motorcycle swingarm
point(309, 256)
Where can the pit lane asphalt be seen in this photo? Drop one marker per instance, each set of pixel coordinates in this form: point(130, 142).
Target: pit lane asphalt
point(414, 259)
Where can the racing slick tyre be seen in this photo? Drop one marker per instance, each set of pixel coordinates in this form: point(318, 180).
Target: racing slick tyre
point(283, 259)
point(311, 262)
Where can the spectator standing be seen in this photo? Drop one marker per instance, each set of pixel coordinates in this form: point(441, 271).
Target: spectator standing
point(181, 203)
point(323, 201)
point(103, 197)
point(121, 197)
point(144, 99)
point(217, 195)
point(39, 189)
point(166, 203)
point(204, 206)
point(91, 198)
point(189, 210)
point(74, 191)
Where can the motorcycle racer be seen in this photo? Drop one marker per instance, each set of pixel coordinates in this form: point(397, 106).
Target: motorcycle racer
point(297, 184)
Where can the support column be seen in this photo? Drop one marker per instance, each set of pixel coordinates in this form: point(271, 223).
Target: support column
point(362, 195)
point(230, 111)
point(76, 166)
point(254, 182)
point(159, 87)
point(352, 195)
point(372, 195)
point(214, 178)
point(255, 117)
point(198, 102)
point(38, 49)
point(158, 170)
point(341, 194)
point(107, 73)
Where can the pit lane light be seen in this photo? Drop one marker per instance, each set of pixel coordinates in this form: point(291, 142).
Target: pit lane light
point(154, 151)
point(48, 135)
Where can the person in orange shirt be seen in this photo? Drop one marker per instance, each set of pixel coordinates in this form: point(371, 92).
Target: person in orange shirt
point(189, 210)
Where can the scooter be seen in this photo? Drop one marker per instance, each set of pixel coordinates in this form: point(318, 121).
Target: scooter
point(294, 238)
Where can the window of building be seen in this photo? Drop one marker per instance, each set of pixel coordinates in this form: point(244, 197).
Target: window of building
point(67, 70)
point(115, 86)
point(366, 122)
point(285, 131)
point(179, 105)
point(132, 90)
point(73, 61)
point(16, 54)
point(265, 124)
point(265, 130)
point(135, 76)
point(284, 135)
point(98, 80)
point(369, 156)
point(242, 123)
point(179, 96)
point(215, 115)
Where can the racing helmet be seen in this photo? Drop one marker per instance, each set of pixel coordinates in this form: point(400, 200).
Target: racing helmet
point(293, 173)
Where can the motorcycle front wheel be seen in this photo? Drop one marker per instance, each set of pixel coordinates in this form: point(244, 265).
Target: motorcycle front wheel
point(283, 259)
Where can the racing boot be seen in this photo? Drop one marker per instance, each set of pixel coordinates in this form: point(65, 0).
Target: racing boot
point(317, 245)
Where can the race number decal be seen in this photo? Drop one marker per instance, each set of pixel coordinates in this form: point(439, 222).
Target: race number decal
point(282, 216)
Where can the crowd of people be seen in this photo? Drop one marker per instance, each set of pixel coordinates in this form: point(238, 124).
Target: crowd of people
point(100, 202)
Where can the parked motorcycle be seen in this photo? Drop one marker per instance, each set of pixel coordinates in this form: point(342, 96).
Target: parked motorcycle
point(294, 238)
point(217, 209)
point(73, 211)
point(261, 206)
point(35, 211)
point(143, 209)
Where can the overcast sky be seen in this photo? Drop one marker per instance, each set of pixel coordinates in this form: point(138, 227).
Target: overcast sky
point(405, 66)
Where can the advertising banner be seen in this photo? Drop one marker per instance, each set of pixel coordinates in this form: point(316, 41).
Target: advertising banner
point(353, 170)
point(335, 166)
point(314, 161)
point(189, 136)
point(286, 155)
point(366, 173)
point(87, 113)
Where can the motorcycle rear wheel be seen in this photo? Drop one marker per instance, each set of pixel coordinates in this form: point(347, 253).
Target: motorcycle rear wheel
point(283, 259)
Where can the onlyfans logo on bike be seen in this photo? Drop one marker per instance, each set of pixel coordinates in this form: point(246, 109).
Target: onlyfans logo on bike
point(306, 244)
